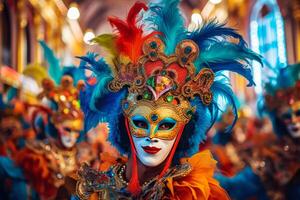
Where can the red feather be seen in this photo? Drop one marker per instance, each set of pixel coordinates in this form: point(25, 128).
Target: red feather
point(130, 37)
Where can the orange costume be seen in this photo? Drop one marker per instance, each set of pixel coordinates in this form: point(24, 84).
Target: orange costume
point(191, 180)
point(46, 163)
point(45, 166)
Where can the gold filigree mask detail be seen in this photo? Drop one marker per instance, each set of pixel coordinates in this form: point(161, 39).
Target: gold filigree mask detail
point(178, 105)
point(164, 79)
point(160, 121)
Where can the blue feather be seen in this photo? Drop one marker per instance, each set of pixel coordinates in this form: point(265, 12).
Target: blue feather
point(167, 19)
point(225, 56)
point(220, 54)
point(213, 31)
point(224, 51)
point(99, 67)
point(54, 68)
point(11, 94)
point(234, 66)
point(103, 74)
point(195, 131)
point(223, 90)
point(97, 101)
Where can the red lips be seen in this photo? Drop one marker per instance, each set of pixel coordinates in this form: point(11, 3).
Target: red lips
point(151, 150)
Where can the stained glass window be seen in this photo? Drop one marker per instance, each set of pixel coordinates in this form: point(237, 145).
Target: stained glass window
point(268, 39)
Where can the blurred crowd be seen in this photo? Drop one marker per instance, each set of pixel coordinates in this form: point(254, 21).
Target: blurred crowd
point(42, 138)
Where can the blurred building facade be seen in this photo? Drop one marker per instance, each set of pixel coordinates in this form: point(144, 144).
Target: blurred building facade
point(24, 22)
point(271, 27)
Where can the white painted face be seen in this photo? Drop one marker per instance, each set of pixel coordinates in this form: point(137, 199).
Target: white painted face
point(294, 130)
point(291, 118)
point(69, 132)
point(154, 131)
point(69, 140)
point(152, 152)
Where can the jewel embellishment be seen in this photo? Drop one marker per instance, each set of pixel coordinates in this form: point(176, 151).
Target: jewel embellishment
point(154, 117)
point(159, 85)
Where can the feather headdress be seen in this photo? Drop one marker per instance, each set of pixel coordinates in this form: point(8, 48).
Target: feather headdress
point(169, 64)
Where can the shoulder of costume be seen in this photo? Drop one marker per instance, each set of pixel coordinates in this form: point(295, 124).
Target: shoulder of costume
point(39, 146)
point(91, 181)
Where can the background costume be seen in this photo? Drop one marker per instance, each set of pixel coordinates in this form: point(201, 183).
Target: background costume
point(273, 159)
point(38, 169)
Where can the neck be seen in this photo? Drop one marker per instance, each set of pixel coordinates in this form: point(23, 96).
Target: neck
point(145, 173)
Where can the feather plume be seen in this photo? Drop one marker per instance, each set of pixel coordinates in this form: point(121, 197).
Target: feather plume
point(235, 67)
point(167, 20)
point(103, 75)
point(96, 100)
point(98, 67)
point(108, 42)
point(54, 69)
point(130, 38)
point(228, 56)
point(223, 90)
point(212, 31)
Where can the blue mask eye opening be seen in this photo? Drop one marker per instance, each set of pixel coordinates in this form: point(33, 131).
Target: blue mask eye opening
point(140, 122)
point(167, 124)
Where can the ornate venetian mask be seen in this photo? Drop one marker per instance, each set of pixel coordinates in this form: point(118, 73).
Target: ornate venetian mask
point(154, 129)
point(160, 86)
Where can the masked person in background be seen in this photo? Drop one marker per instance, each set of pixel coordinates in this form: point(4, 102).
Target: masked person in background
point(273, 159)
point(45, 163)
point(159, 93)
point(15, 129)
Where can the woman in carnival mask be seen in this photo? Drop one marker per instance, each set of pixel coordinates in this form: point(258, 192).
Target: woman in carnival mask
point(42, 164)
point(158, 90)
point(273, 162)
point(46, 162)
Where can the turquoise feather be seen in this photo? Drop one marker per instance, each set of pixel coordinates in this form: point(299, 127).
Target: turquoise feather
point(54, 68)
point(168, 20)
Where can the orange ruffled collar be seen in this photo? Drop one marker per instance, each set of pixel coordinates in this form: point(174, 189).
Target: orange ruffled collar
point(199, 184)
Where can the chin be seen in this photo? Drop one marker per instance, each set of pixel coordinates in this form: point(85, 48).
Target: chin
point(152, 153)
point(295, 134)
point(151, 161)
point(68, 145)
point(294, 130)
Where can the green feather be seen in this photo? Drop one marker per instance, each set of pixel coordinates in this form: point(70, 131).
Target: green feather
point(107, 41)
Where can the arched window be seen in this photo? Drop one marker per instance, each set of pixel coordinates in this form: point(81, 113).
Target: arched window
point(267, 38)
point(6, 50)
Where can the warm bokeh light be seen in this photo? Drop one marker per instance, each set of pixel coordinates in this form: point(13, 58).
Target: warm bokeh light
point(88, 36)
point(196, 18)
point(73, 12)
point(215, 1)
